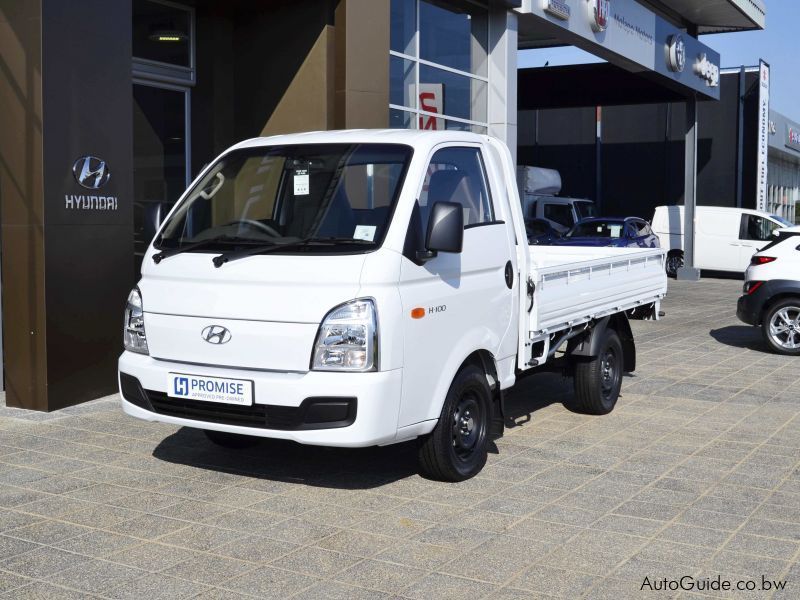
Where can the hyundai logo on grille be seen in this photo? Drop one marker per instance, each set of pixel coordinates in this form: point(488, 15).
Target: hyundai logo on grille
point(216, 334)
point(91, 172)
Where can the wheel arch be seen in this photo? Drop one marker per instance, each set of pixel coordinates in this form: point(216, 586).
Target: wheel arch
point(588, 346)
point(775, 299)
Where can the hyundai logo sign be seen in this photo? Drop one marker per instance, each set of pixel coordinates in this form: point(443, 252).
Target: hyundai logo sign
point(91, 172)
point(216, 334)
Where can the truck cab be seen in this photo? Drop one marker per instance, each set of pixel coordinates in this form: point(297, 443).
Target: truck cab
point(365, 288)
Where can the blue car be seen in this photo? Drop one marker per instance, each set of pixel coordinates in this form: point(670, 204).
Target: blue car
point(630, 232)
point(541, 232)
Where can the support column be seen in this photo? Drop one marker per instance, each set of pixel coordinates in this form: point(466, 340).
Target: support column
point(362, 64)
point(688, 272)
point(503, 76)
point(67, 246)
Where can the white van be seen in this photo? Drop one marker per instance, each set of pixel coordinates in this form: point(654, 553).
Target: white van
point(725, 238)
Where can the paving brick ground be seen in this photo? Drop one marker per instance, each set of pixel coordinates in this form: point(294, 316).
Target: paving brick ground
point(696, 472)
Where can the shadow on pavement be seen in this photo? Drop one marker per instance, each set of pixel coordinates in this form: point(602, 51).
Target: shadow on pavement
point(740, 336)
point(280, 460)
point(341, 468)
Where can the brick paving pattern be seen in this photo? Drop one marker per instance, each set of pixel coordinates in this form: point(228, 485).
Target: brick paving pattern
point(696, 472)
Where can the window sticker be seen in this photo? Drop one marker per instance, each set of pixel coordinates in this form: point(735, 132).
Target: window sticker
point(364, 232)
point(301, 182)
point(616, 230)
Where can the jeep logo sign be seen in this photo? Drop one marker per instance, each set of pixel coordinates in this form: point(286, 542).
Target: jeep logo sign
point(707, 70)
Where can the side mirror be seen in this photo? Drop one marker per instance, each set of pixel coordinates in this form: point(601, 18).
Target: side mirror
point(445, 230)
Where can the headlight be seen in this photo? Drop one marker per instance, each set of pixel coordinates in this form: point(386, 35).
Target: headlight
point(134, 337)
point(348, 338)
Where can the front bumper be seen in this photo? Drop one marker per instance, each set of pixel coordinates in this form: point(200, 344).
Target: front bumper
point(375, 397)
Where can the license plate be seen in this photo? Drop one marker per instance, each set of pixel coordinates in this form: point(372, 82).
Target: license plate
point(210, 389)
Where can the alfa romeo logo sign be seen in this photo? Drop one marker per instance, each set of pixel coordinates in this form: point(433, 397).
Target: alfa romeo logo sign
point(599, 14)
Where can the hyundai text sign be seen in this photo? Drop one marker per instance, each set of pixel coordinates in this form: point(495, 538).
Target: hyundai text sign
point(92, 173)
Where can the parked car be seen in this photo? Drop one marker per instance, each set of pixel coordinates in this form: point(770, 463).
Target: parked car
point(541, 232)
point(538, 190)
point(725, 238)
point(363, 288)
point(629, 232)
point(771, 295)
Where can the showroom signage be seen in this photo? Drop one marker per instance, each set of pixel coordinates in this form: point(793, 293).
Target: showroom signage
point(676, 53)
point(707, 70)
point(628, 30)
point(431, 100)
point(91, 173)
point(599, 14)
point(763, 136)
point(793, 137)
point(557, 8)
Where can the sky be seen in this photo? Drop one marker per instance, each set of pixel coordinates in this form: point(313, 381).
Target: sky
point(777, 44)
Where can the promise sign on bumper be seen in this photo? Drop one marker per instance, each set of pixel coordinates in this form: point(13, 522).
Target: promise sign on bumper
point(210, 389)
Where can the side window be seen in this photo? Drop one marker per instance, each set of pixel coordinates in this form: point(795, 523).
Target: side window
point(560, 213)
point(457, 175)
point(757, 228)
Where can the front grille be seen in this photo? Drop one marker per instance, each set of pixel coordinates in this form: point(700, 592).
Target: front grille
point(265, 416)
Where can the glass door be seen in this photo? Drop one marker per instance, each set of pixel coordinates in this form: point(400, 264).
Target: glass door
point(163, 75)
point(160, 157)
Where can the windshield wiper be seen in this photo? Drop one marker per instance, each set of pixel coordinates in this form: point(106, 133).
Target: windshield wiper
point(157, 258)
point(303, 243)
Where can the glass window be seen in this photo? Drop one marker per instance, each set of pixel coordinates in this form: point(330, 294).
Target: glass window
point(161, 32)
point(461, 97)
point(457, 175)
point(757, 228)
point(585, 209)
point(402, 82)
point(600, 229)
point(402, 119)
point(323, 198)
point(403, 26)
point(558, 213)
point(454, 34)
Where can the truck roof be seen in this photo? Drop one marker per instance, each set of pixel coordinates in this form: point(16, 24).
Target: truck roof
point(410, 137)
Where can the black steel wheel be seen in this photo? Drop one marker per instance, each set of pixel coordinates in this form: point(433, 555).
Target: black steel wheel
point(457, 447)
point(598, 381)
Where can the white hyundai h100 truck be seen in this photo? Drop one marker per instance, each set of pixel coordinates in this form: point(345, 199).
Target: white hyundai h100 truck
point(360, 288)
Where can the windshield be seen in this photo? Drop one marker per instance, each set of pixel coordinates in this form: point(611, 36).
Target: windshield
point(274, 195)
point(600, 229)
point(585, 209)
point(782, 220)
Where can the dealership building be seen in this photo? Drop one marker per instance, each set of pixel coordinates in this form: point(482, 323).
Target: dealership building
point(109, 109)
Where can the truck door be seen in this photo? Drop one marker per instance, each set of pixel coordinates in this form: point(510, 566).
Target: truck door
point(464, 298)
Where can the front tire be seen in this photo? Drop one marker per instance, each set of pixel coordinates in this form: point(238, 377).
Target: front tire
point(598, 381)
point(234, 441)
point(781, 327)
point(457, 448)
point(674, 262)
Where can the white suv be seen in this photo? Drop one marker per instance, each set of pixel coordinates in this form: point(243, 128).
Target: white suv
point(771, 297)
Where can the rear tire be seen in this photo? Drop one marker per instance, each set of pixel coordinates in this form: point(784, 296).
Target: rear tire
point(457, 448)
point(781, 327)
point(598, 382)
point(230, 440)
point(674, 262)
